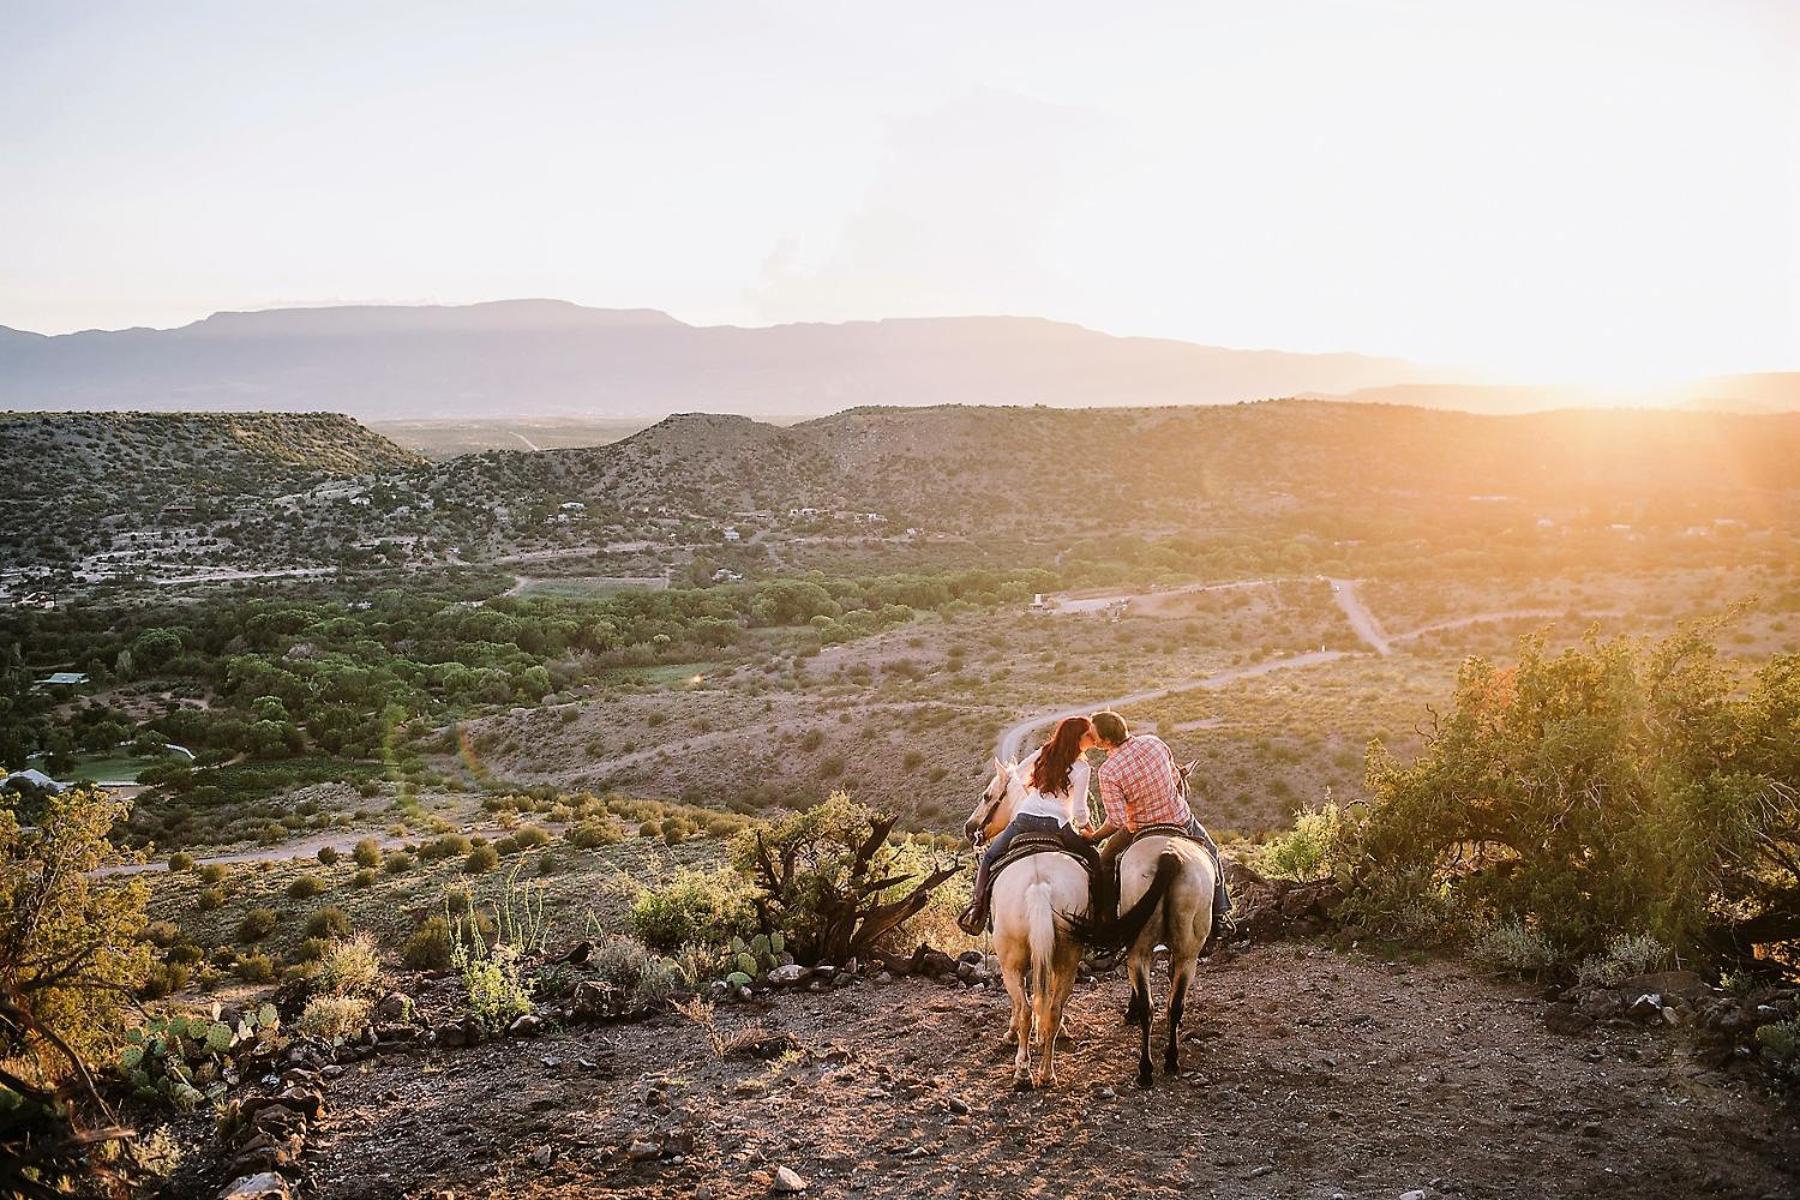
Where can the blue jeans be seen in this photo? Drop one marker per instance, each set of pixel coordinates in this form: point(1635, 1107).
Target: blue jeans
point(1221, 894)
point(976, 914)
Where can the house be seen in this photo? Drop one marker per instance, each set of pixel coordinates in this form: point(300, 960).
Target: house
point(37, 600)
point(806, 514)
point(1039, 604)
point(66, 679)
point(726, 575)
point(731, 535)
point(32, 776)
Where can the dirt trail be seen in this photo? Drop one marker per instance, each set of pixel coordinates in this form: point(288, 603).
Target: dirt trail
point(1309, 1074)
point(1350, 600)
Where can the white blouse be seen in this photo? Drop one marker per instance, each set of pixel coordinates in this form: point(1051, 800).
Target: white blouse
point(1070, 807)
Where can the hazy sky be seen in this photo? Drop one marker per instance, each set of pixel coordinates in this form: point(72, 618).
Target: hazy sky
point(1551, 190)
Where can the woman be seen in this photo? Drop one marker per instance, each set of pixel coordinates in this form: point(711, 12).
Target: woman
point(1057, 801)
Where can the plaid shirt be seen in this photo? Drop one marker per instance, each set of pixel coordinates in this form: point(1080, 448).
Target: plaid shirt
point(1138, 786)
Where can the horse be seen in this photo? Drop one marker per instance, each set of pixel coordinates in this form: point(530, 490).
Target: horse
point(1034, 900)
point(1186, 910)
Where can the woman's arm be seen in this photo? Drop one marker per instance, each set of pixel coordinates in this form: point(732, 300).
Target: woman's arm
point(1080, 776)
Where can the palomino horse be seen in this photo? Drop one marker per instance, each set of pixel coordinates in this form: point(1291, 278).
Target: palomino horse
point(1186, 921)
point(1034, 899)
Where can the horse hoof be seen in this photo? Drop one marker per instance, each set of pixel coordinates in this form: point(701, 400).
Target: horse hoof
point(1022, 1084)
point(1171, 1067)
point(1145, 1079)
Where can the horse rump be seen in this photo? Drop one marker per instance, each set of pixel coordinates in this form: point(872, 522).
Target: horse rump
point(1124, 928)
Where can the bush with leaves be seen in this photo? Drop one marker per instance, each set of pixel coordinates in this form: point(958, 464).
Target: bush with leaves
point(256, 924)
point(495, 977)
point(334, 1018)
point(1613, 789)
point(706, 908)
point(1313, 849)
point(70, 957)
point(831, 879)
point(349, 966)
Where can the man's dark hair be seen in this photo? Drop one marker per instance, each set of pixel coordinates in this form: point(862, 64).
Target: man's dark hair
point(1111, 727)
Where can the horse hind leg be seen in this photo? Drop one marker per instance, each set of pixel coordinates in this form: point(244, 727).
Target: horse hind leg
point(1178, 987)
point(1051, 1008)
point(1140, 1004)
point(1021, 1024)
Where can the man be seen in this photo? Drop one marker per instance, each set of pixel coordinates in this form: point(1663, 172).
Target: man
point(1139, 786)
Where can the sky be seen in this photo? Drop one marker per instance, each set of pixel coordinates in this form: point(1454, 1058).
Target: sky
point(1605, 192)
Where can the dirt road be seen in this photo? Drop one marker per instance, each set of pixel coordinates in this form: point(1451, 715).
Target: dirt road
point(1349, 599)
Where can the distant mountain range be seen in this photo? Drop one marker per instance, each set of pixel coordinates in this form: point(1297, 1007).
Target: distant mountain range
point(541, 358)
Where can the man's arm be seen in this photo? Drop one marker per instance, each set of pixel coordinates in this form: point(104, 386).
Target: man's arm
point(1112, 806)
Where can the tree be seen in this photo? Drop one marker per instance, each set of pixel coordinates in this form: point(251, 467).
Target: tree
point(1612, 788)
point(70, 956)
point(830, 879)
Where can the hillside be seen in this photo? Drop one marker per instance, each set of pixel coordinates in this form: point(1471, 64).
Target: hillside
point(267, 492)
point(542, 358)
point(81, 482)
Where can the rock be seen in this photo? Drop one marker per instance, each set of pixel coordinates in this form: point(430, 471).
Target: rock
point(528, 1025)
point(1676, 985)
point(934, 962)
point(787, 1182)
point(395, 1006)
point(642, 1150)
point(885, 977)
point(1563, 1019)
point(331, 1071)
point(451, 1035)
point(1259, 1172)
point(789, 974)
point(957, 1105)
point(264, 1186)
point(543, 1156)
point(594, 999)
point(1415, 1194)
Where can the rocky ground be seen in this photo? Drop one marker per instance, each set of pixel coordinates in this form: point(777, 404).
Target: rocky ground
point(1309, 1073)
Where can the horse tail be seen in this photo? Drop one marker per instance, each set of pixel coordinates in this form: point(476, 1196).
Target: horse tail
point(1040, 937)
point(1124, 929)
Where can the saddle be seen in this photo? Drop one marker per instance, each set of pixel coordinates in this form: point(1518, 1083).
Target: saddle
point(1063, 841)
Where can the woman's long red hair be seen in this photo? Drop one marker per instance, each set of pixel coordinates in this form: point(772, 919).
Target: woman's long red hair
point(1050, 773)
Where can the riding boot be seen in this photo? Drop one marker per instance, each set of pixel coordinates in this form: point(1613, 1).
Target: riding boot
point(974, 919)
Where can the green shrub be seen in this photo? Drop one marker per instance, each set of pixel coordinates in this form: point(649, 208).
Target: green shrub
point(481, 860)
point(207, 899)
point(707, 908)
point(164, 979)
point(305, 887)
point(255, 968)
point(530, 837)
point(1625, 957)
point(1513, 948)
point(349, 967)
point(1312, 849)
point(310, 950)
point(256, 925)
point(328, 856)
point(212, 873)
point(367, 853)
point(1613, 790)
point(185, 954)
point(181, 861)
point(428, 949)
point(162, 934)
point(1779, 1043)
point(398, 863)
point(328, 922)
point(364, 878)
point(591, 835)
point(450, 845)
point(334, 1018)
